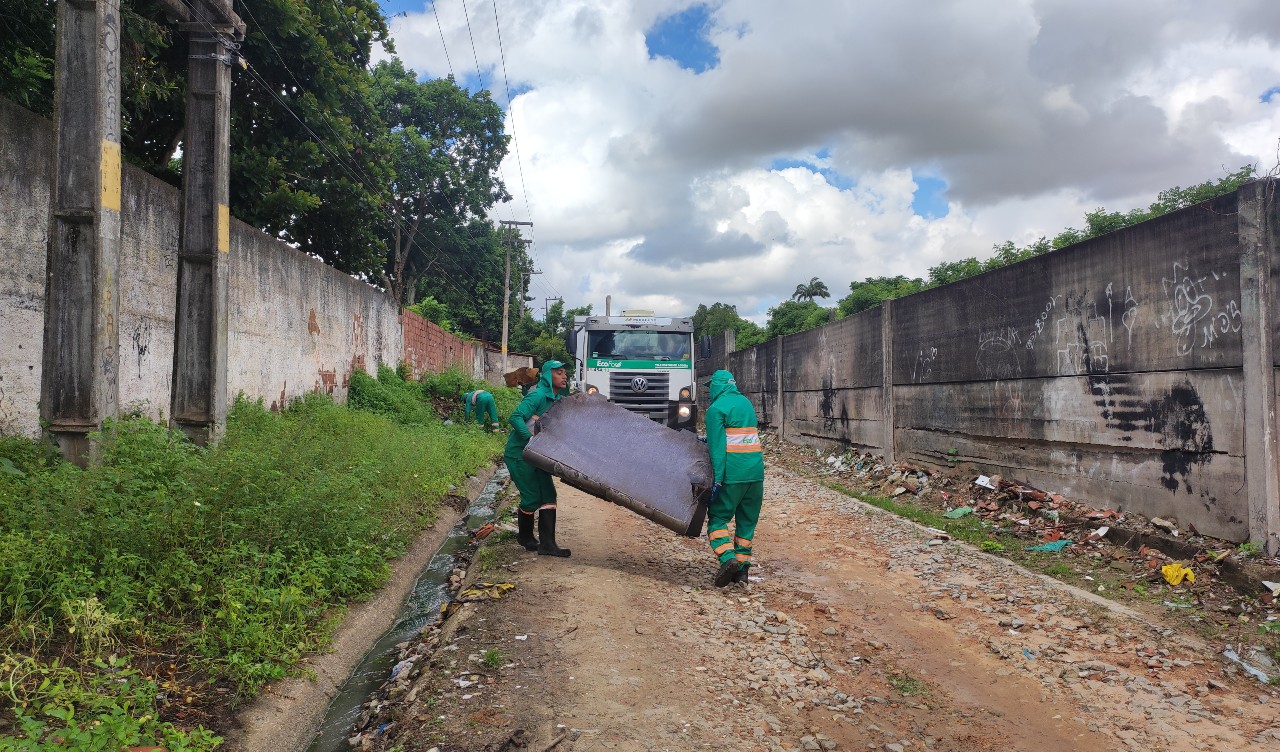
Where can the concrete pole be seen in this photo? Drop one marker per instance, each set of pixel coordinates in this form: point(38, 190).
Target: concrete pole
point(506, 288)
point(79, 382)
point(1260, 312)
point(780, 412)
point(889, 436)
point(199, 406)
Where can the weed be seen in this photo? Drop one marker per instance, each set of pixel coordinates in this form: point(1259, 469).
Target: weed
point(486, 558)
point(493, 658)
point(1249, 548)
point(991, 546)
point(907, 685)
point(91, 625)
point(1058, 569)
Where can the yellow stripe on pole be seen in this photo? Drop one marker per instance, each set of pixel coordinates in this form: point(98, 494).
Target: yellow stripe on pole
point(111, 175)
point(224, 228)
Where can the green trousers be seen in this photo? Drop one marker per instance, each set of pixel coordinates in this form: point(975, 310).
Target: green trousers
point(537, 491)
point(738, 503)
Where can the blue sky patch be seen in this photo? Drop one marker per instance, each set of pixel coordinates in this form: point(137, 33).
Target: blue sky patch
point(1269, 94)
point(929, 200)
point(833, 178)
point(682, 38)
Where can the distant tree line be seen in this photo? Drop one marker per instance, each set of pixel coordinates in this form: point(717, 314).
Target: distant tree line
point(802, 312)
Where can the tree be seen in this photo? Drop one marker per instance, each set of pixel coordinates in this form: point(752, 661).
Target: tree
point(816, 288)
point(791, 316)
point(446, 149)
point(869, 292)
point(545, 339)
point(722, 317)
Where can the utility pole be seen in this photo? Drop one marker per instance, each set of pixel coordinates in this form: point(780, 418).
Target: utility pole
point(546, 307)
point(506, 286)
point(80, 371)
point(199, 399)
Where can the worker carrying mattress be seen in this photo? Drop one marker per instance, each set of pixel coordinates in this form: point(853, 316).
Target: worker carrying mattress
point(598, 447)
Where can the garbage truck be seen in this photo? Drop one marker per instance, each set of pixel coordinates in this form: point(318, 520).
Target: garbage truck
point(639, 361)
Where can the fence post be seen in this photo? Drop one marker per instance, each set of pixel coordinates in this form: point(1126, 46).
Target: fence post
point(1258, 311)
point(80, 375)
point(889, 438)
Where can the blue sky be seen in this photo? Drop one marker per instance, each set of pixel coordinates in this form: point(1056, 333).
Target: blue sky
point(682, 37)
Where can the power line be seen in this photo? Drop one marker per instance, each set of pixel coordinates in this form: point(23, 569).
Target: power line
point(467, 16)
point(444, 46)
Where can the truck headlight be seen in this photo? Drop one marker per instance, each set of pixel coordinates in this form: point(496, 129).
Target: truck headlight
point(591, 389)
point(684, 393)
point(684, 411)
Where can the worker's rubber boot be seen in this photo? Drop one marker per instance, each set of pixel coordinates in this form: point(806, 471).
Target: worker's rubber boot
point(525, 537)
point(741, 576)
point(727, 573)
point(547, 533)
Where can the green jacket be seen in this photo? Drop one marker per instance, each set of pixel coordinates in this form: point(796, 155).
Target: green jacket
point(534, 403)
point(732, 439)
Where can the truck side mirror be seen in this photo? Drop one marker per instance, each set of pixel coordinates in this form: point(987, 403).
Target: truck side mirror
point(571, 342)
point(705, 345)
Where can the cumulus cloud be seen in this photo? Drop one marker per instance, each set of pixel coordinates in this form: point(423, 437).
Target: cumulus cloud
point(798, 152)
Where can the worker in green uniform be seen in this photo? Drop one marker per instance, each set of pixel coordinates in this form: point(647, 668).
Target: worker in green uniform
point(481, 405)
point(537, 492)
point(737, 491)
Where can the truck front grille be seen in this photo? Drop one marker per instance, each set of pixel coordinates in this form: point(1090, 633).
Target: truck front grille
point(652, 401)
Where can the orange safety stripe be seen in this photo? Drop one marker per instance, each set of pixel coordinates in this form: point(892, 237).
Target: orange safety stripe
point(722, 548)
point(743, 557)
point(742, 542)
point(718, 534)
point(524, 512)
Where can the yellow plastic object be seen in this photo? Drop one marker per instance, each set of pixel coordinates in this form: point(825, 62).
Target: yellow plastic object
point(1175, 573)
point(485, 591)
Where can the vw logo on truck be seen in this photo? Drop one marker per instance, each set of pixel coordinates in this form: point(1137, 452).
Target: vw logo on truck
point(639, 384)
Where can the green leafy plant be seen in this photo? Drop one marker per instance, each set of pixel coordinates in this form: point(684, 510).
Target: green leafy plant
point(907, 685)
point(493, 658)
point(991, 546)
point(1249, 548)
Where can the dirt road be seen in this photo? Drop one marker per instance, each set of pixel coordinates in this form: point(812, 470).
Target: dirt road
point(859, 632)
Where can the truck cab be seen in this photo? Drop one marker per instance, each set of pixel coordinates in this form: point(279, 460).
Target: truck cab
point(639, 361)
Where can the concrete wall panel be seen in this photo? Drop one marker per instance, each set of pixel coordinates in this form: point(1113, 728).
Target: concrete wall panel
point(1163, 295)
point(26, 158)
point(842, 355)
point(836, 419)
point(298, 325)
point(150, 212)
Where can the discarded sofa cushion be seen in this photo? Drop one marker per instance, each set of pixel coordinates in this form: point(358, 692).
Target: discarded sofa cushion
point(609, 452)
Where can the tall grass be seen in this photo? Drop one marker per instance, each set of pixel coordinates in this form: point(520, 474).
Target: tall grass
point(233, 557)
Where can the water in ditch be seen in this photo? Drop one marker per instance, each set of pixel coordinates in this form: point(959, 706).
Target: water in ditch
point(420, 609)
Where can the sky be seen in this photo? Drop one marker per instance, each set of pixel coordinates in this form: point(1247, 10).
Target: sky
point(671, 153)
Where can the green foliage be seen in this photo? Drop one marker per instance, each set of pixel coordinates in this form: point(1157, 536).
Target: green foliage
point(545, 339)
point(791, 316)
point(109, 706)
point(234, 555)
point(434, 311)
point(493, 658)
point(814, 288)
point(721, 317)
point(391, 396)
point(453, 382)
point(991, 547)
point(868, 293)
point(1249, 548)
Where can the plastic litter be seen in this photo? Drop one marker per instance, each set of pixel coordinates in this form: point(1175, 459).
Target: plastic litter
point(1274, 587)
point(958, 512)
point(985, 482)
point(1030, 656)
point(1053, 546)
point(1175, 573)
point(1252, 671)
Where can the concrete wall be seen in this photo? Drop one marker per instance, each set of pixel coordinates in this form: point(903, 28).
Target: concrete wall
point(1112, 371)
point(295, 325)
point(493, 365)
point(26, 147)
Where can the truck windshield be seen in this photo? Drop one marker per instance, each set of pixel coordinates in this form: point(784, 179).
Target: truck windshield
point(640, 345)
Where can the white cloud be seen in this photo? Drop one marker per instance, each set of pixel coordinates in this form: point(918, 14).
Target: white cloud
point(653, 184)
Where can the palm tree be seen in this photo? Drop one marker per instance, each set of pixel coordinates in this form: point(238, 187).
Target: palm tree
point(815, 289)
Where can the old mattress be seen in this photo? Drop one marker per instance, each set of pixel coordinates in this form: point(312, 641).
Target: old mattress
point(595, 446)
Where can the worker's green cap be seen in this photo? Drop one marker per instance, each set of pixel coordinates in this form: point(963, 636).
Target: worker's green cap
point(553, 364)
